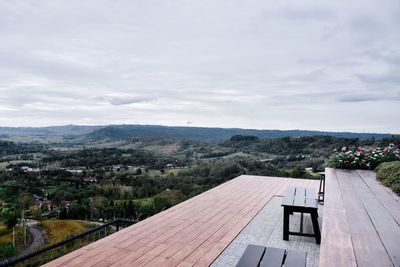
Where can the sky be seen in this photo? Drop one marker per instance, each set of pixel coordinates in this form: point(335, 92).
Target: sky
point(318, 65)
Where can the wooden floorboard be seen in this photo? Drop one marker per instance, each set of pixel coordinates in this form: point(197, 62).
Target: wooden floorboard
point(192, 233)
point(336, 243)
point(361, 221)
point(385, 225)
point(388, 200)
point(367, 245)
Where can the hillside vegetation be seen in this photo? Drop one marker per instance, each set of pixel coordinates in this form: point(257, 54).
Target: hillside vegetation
point(118, 132)
point(389, 174)
point(58, 230)
point(134, 172)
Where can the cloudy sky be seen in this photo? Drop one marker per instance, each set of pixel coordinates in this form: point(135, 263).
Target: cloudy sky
point(324, 65)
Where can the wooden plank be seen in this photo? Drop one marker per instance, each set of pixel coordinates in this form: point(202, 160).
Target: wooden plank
point(194, 213)
point(194, 232)
point(300, 197)
point(288, 198)
point(336, 245)
point(236, 225)
point(273, 257)
point(251, 256)
point(138, 243)
point(368, 247)
point(386, 227)
point(214, 245)
point(218, 223)
point(295, 259)
point(311, 193)
point(381, 193)
point(311, 203)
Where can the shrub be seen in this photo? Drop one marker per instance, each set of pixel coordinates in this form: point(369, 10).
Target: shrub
point(359, 158)
point(389, 174)
point(7, 250)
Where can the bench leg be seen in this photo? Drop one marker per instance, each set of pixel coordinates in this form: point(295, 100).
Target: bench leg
point(286, 213)
point(314, 218)
point(301, 222)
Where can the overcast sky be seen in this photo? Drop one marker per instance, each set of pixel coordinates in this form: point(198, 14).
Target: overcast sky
point(323, 65)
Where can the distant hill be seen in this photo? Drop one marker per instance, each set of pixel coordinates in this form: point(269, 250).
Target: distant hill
point(125, 132)
point(66, 130)
point(210, 134)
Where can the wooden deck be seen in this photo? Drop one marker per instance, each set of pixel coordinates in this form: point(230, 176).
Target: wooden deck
point(192, 233)
point(361, 223)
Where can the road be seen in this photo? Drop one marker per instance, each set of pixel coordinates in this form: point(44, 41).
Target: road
point(38, 239)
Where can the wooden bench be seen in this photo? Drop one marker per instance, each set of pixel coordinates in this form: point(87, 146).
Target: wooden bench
point(303, 200)
point(271, 257)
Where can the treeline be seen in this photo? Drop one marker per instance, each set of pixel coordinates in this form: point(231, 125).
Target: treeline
point(308, 145)
point(149, 193)
point(148, 190)
point(9, 148)
point(99, 157)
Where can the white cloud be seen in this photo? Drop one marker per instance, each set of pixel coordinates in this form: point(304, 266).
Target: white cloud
point(258, 64)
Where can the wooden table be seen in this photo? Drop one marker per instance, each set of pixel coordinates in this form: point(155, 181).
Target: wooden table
point(361, 223)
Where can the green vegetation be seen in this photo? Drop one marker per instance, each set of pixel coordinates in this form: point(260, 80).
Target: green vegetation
point(58, 230)
point(7, 249)
point(140, 177)
point(389, 174)
point(9, 217)
point(66, 176)
point(134, 172)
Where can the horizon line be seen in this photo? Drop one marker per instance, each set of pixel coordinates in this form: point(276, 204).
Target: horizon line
point(193, 126)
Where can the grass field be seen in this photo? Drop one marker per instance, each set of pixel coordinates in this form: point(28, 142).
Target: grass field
point(50, 189)
point(58, 230)
point(6, 234)
point(143, 201)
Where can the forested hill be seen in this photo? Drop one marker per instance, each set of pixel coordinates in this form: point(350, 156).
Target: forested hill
point(211, 134)
point(125, 132)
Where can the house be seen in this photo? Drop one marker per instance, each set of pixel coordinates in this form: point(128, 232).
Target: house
point(90, 179)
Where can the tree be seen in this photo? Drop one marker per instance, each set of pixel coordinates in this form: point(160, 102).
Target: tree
point(37, 213)
point(24, 200)
point(9, 217)
point(161, 203)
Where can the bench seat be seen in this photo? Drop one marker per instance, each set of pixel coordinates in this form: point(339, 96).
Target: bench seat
point(303, 200)
point(255, 256)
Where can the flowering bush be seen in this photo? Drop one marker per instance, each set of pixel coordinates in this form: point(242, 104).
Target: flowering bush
point(360, 158)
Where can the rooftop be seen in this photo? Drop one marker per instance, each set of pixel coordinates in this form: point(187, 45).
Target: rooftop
point(193, 232)
point(360, 225)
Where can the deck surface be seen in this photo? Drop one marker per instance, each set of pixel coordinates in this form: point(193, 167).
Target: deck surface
point(361, 224)
point(266, 230)
point(192, 233)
